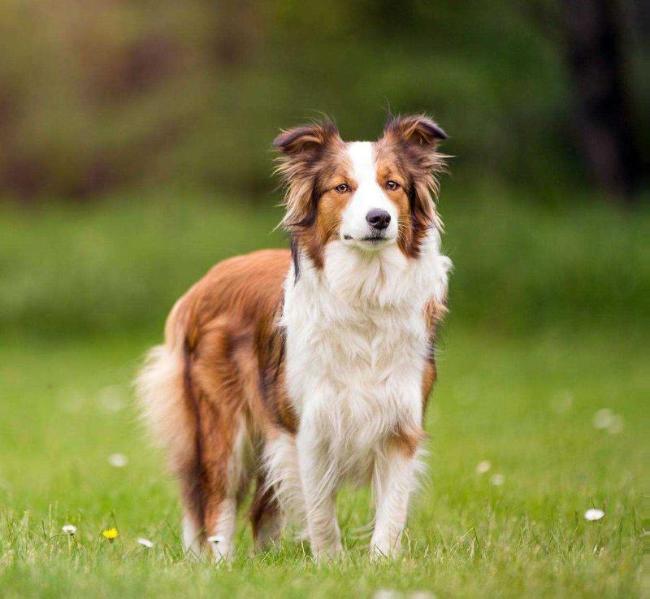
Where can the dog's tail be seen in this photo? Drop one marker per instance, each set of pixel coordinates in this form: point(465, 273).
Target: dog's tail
point(168, 406)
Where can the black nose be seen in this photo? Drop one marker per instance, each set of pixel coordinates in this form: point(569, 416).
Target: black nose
point(378, 219)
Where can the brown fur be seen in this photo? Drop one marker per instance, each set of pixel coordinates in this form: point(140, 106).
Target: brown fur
point(233, 372)
point(312, 164)
point(224, 332)
point(264, 512)
point(408, 149)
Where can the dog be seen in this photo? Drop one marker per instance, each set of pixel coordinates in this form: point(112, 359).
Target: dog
point(302, 369)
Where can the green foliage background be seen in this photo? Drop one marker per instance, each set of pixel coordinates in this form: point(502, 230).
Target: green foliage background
point(99, 95)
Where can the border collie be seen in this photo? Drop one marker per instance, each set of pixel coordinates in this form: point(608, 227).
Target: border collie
point(300, 370)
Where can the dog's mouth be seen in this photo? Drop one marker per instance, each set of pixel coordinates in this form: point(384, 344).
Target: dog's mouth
point(369, 240)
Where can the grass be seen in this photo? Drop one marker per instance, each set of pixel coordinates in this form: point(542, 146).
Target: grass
point(83, 295)
point(527, 408)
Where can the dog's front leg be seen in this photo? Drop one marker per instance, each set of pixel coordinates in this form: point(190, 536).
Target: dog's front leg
point(319, 479)
point(393, 481)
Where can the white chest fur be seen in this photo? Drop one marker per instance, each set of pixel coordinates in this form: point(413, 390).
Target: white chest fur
point(357, 341)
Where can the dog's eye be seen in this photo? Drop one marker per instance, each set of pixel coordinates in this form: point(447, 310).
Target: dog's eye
point(392, 185)
point(342, 188)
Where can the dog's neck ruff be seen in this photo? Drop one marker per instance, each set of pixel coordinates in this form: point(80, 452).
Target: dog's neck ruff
point(354, 280)
point(358, 343)
point(360, 320)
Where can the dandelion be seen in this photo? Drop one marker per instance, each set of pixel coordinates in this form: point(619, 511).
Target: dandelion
point(497, 480)
point(110, 534)
point(594, 514)
point(118, 460)
point(483, 467)
point(146, 543)
point(69, 529)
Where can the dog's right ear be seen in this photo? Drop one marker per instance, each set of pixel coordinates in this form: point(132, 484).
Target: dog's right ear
point(306, 139)
point(301, 150)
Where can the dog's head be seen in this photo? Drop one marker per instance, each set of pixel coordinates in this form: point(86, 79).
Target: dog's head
point(366, 195)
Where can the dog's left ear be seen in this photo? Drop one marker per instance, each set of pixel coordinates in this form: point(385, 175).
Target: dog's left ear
point(416, 129)
point(417, 138)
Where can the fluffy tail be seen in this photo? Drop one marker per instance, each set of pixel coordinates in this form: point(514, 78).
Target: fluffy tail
point(169, 409)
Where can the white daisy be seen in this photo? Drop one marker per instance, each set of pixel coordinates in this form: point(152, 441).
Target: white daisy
point(603, 418)
point(483, 467)
point(594, 514)
point(118, 460)
point(497, 480)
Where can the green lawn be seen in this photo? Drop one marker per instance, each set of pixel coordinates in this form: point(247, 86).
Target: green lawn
point(549, 326)
point(525, 405)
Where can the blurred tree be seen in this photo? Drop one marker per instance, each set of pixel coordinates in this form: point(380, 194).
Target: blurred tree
point(594, 52)
point(237, 32)
point(103, 94)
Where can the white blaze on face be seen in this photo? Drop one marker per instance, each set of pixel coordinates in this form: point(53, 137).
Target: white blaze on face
point(367, 196)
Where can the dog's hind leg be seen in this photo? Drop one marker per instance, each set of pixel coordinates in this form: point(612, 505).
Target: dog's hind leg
point(223, 475)
point(169, 410)
point(191, 396)
point(222, 440)
point(266, 516)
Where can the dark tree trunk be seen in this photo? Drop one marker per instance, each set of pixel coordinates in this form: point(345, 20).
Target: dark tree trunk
point(603, 120)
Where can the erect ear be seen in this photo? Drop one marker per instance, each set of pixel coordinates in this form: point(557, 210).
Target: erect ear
point(417, 129)
point(301, 150)
point(416, 138)
point(305, 139)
